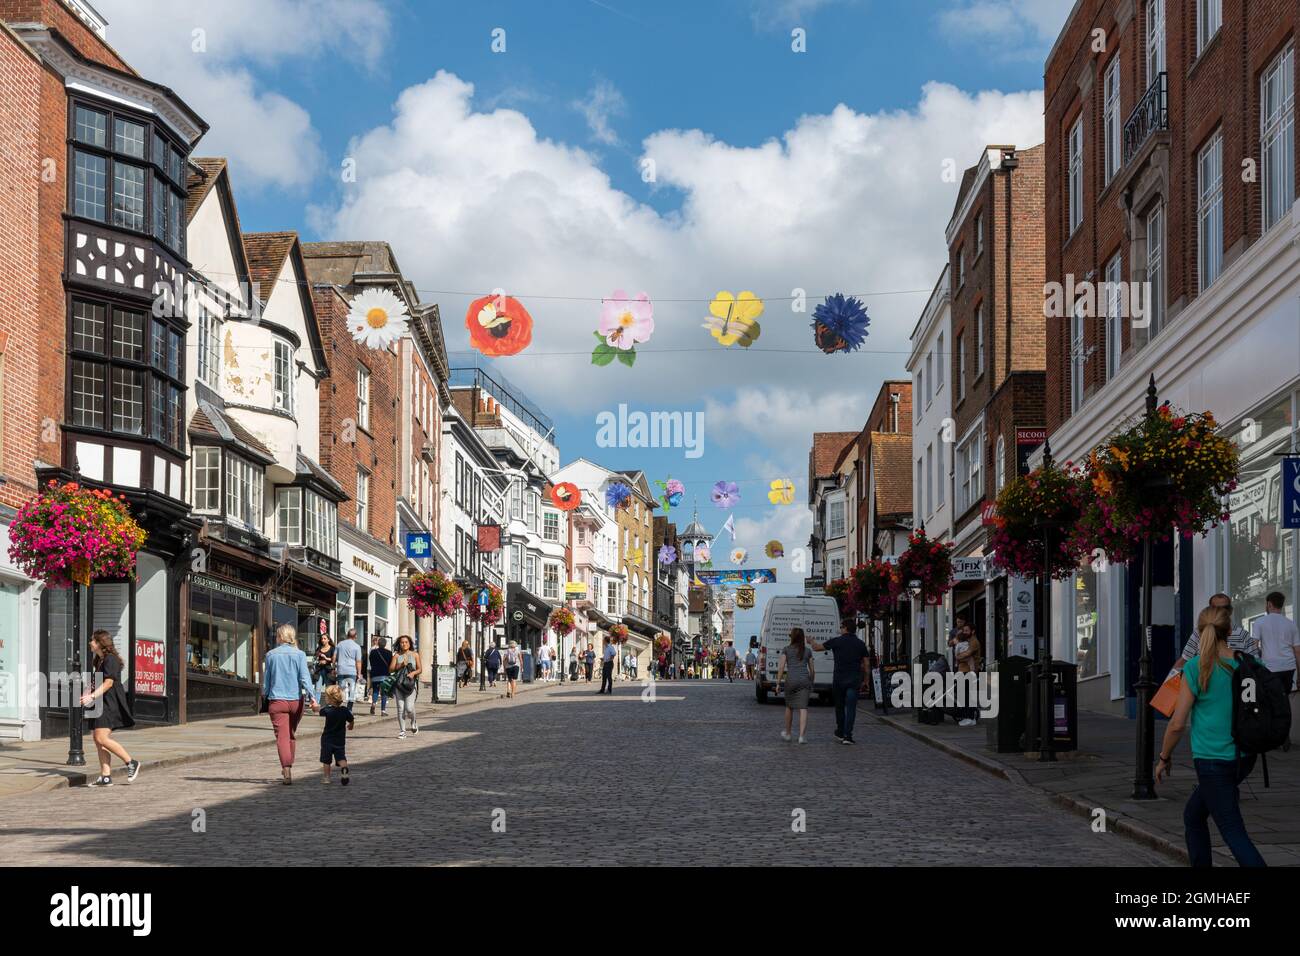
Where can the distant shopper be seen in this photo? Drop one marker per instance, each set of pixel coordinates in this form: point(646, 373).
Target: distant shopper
point(589, 660)
point(347, 663)
point(848, 678)
point(966, 651)
point(573, 663)
point(1238, 638)
point(334, 735)
point(381, 659)
point(405, 679)
point(729, 661)
point(1206, 700)
point(1278, 639)
point(285, 684)
point(464, 663)
point(492, 661)
point(796, 661)
point(751, 662)
point(322, 668)
point(112, 713)
point(608, 653)
point(512, 659)
point(544, 662)
point(556, 673)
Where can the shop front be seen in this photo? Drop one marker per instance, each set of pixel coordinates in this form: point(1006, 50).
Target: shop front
point(526, 620)
point(20, 677)
point(307, 595)
point(224, 647)
point(370, 597)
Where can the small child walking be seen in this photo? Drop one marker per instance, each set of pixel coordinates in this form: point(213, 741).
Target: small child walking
point(334, 738)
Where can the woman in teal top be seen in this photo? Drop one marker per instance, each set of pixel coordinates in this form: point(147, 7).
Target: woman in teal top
point(1206, 700)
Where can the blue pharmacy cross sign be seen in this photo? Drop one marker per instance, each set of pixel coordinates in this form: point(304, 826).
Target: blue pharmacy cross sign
point(419, 544)
point(1291, 492)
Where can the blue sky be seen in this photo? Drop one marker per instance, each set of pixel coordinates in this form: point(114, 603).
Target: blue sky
point(775, 171)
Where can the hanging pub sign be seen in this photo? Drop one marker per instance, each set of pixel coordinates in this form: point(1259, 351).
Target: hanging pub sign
point(489, 538)
point(1027, 439)
point(1291, 492)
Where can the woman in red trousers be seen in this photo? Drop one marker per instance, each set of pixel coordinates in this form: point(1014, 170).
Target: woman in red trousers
point(286, 682)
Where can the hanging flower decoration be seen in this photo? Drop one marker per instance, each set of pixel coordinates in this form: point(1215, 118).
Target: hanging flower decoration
point(498, 325)
point(739, 555)
point(873, 587)
point(726, 494)
point(433, 594)
point(672, 492)
point(562, 621)
point(634, 556)
point(734, 319)
point(377, 318)
point(624, 323)
point(1163, 472)
point(927, 561)
point(839, 589)
point(703, 556)
point(495, 607)
point(667, 554)
point(566, 496)
point(70, 533)
point(618, 495)
point(774, 549)
point(840, 324)
point(781, 491)
point(1045, 500)
point(663, 643)
point(618, 633)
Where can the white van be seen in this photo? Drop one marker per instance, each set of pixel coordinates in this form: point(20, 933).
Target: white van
point(819, 616)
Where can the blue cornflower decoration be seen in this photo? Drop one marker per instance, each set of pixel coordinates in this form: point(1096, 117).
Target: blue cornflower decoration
point(618, 495)
point(840, 324)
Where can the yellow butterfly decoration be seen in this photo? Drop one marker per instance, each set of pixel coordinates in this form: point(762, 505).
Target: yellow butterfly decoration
point(734, 319)
point(782, 491)
point(634, 556)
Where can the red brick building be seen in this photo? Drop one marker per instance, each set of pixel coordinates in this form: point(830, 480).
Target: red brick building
point(996, 265)
point(1171, 169)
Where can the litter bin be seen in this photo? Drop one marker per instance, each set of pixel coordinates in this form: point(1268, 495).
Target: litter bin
point(1065, 717)
point(1007, 730)
point(930, 663)
point(527, 669)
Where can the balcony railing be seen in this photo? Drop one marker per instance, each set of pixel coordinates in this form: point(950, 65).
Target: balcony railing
point(637, 611)
point(1150, 116)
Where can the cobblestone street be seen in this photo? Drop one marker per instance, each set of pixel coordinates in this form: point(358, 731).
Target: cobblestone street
point(700, 776)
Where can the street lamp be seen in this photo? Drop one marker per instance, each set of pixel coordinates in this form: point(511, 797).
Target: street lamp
point(1046, 677)
point(1144, 785)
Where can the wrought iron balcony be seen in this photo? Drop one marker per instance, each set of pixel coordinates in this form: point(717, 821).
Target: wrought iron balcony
point(1150, 116)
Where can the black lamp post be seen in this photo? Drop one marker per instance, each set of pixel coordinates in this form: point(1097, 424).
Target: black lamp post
point(76, 750)
point(1144, 784)
point(1046, 678)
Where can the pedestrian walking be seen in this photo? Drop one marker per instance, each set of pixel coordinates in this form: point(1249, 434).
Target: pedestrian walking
point(729, 661)
point(544, 658)
point(113, 711)
point(323, 668)
point(1238, 638)
point(334, 736)
point(608, 652)
point(556, 673)
point(1278, 639)
point(1206, 701)
point(966, 651)
point(751, 661)
point(404, 675)
point(589, 659)
point(794, 679)
point(848, 677)
point(286, 682)
point(464, 662)
point(347, 665)
point(381, 659)
point(512, 660)
point(493, 661)
point(573, 663)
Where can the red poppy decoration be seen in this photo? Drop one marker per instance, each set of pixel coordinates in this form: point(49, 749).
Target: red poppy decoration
point(499, 325)
point(566, 496)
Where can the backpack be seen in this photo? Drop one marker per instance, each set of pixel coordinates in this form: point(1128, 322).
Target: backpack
point(1261, 712)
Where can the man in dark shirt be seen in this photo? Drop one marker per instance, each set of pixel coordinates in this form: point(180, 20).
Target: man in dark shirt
point(848, 678)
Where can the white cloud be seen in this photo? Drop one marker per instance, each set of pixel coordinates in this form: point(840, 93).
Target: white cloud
point(1025, 27)
point(843, 201)
point(206, 51)
point(602, 103)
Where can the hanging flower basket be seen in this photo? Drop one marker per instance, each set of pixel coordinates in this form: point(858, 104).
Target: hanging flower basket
point(618, 633)
point(1030, 506)
point(839, 589)
point(928, 561)
point(70, 533)
point(1163, 472)
point(873, 588)
point(495, 608)
point(433, 594)
point(663, 643)
point(561, 621)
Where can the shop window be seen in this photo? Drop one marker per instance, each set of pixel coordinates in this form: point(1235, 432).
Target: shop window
point(222, 621)
point(1087, 653)
point(11, 649)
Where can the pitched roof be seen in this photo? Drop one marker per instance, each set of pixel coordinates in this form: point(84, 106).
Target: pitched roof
point(826, 448)
point(203, 174)
point(266, 254)
point(209, 421)
point(891, 457)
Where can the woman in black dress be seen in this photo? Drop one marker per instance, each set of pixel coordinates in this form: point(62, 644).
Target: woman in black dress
point(113, 711)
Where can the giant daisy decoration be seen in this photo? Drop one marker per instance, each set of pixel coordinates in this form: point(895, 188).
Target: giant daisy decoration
point(377, 318)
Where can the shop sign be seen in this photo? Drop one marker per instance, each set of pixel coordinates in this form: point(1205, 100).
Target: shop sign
point(1291, 492)
point(223, 587)
point(419, 544)
point(813, 586)
point(1027, 439)
point(364, 565)
point(489, 538)
point(968, 569)
point(150, 667)
point(575, 591)
point(987, 511)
